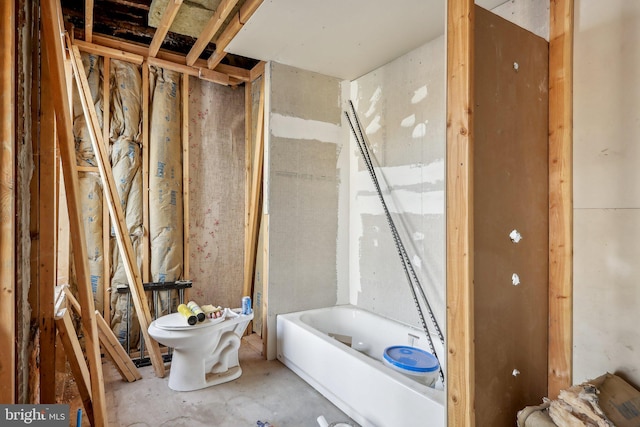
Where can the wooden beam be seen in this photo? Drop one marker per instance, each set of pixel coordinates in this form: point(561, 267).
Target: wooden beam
point(117, 216)
point(185, 176)
point(7, 202)
point(146, 248)
point(52, 37)
point(77, 363)
point(214, 76)
point(234, 26)
point(256, 189)
point(176, 58)
point(48, 224)
point(165, 23)
point(88, 20)
point(459, 214)
point(106, 222)
point(560, 363)
point(116, 353)
point(210, 30)
point(109, 52)
point(257, 71)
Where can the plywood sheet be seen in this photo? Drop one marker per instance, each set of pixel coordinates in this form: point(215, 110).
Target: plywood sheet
point(510, 190)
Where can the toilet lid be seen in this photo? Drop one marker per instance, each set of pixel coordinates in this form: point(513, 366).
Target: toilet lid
point(176, 321)
point(411, 359)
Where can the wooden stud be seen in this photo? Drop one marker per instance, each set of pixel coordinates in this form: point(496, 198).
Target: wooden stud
point(77, 363)
point(213, 25)
point(265, 283)
point(115, 210)
point(248, 168)
point(48, 220)
point(163, 28)
point(7, 202)
point(108, 52)
point(459, 183)
point(52, 36)
point(180, 68)
point(106, 222)
point(256, 189)
point(116, 353)
point(146, 248)
point(63, 266)
point(560, 363)
point(88, 20)
point(185, 175)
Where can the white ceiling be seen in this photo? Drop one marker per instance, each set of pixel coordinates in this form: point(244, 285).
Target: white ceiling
point(340, 38)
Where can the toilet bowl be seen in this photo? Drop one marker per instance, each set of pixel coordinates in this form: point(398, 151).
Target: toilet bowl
point(204, 354)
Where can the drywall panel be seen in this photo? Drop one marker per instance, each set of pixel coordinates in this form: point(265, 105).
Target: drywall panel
point(216, 192)
point(510, 179)
point(532, 15)
point(302, 179)
point(607, 295)
point(606, 193)
point(607, 105)
point(338, 38)
point(402, 109)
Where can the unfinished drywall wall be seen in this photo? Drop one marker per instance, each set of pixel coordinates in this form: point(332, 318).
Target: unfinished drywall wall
point(216, 192)
point(402, 108)
point(606, 190)
point(303, 143)
point(532, 15)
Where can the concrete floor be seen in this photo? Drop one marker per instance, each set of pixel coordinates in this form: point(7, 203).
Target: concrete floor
point(267, 391)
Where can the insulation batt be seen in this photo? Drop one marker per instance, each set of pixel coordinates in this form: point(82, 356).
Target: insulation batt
point(165, 177)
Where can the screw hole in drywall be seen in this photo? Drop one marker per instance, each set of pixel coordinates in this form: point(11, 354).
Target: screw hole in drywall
point(515, 279)
point(515, 236)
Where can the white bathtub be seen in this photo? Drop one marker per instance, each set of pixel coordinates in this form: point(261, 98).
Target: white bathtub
point(357, 381)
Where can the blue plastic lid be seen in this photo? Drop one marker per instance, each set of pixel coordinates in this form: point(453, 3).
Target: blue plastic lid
point(411, 358)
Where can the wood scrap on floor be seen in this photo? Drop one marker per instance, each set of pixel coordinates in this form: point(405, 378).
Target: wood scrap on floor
point(606, 401)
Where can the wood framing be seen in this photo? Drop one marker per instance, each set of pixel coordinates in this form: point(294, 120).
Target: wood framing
point(177, 59)
point(7, 202)
point(88, 20)
point(231, 30)
point(115, 211)
point(459, 211)
point(109, 52)
point(222, 12)
point(77, 363)
point(185, 176)
point(560, 364)
point(106, 222)
point(168, 16)
point(52, 36)
point(48, 224)
point(146, 245)
point(116, 353)
point(256, 189)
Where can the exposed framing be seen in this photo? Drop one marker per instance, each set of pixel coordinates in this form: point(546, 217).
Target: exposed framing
point(168, 16)
point(185, 179)
point(459, 213)
point(52, 36)
point(7, 202)
point(560, 363)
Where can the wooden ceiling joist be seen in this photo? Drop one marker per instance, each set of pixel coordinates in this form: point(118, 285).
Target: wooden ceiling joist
point(88, 20)
point(210, 30)
point(165, 23)
point(231, 30)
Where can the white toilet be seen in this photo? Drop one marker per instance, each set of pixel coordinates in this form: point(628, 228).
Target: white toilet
point(204, 354)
